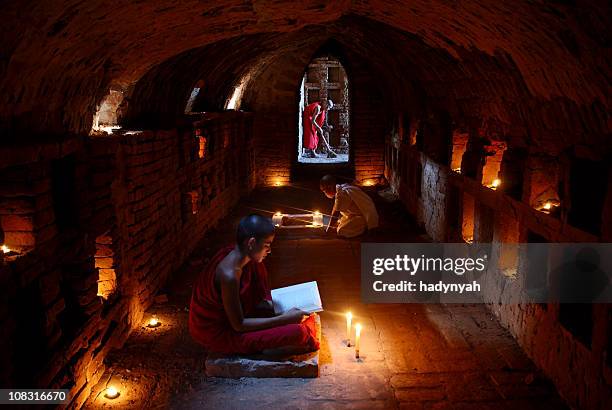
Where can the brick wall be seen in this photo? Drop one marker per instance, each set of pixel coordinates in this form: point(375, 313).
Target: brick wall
point(438, 197)
point(147, 197)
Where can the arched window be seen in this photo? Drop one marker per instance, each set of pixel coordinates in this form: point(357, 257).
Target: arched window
point(325, 79)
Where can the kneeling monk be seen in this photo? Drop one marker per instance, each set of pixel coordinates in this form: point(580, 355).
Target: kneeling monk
point(357, 210)
point(231, 298)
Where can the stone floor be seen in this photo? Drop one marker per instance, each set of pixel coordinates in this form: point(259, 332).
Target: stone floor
point(322, 159)
point(412, 356)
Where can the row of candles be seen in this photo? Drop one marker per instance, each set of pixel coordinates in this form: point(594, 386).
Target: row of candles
point(349, 319)
point(547, 207)
point(317, 218)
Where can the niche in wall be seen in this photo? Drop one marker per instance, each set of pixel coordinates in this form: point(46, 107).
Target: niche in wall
point(511, 172)
point(577, 318)
point(63, 190)
point(105, 264)
point(588, 182)
point(493, 159)
point(460, 140)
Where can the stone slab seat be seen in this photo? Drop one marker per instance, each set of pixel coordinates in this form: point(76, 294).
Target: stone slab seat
point(262, 366)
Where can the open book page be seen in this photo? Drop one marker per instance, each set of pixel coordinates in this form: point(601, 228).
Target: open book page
point(303, 296)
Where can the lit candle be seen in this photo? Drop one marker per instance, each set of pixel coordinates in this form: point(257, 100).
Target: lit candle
point(496, 183)
point(111, 393)
point(153, 322)
point(317, 218)
point(277, 219)
point(357, 339)
point(5, 249)
point(349, 318)
point(547, 206)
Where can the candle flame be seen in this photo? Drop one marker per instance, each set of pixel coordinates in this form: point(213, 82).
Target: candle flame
point(111, 393)
point(5, 249)
point(496, 183)
point(547, 205)
point(349, 315)
point(358, 328)
point(153, 322)
point(317, 213)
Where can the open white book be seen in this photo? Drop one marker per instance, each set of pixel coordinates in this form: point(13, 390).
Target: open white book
point(303, 296)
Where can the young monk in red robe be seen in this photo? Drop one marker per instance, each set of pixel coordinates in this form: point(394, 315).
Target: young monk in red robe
point(231, 295)
point(313, 119)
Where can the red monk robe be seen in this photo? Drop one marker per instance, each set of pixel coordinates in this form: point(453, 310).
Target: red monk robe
point(310, 138)
point(210, 326)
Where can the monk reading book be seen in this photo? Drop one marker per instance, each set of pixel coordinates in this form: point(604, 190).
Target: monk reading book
point(231, 309)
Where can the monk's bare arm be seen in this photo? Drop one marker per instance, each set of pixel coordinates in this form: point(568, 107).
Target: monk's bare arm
point(334, 212)
point(314, 120)
point(230, 294)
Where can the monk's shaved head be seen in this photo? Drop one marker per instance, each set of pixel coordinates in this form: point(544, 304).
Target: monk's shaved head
point(254, 226)
point(328, 181)
point(328, 185)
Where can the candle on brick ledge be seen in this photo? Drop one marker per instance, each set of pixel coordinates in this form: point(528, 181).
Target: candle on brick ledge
point(154, 322)
point(10, 254)
point(495, 184)
point(111, 393)
point(548, 206)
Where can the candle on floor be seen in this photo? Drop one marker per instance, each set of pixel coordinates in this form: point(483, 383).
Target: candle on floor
point(277, 219)
point(357, 339)
point(317, 218)
point(153, 322)
point(349, 318)
point(111, 393)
